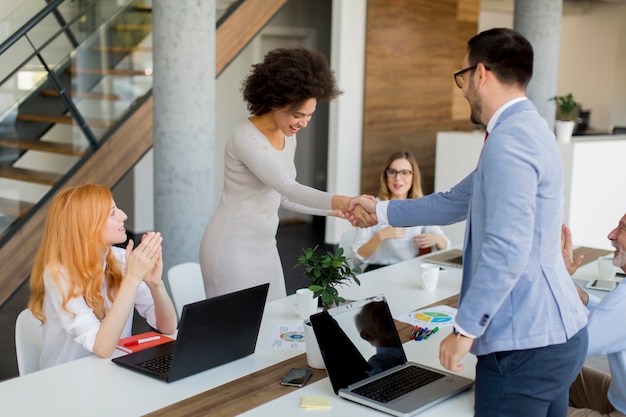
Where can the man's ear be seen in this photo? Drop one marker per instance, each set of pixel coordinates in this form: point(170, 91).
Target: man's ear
point(481, 74)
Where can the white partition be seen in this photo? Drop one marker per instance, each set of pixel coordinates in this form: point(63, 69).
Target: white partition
point(594, 197)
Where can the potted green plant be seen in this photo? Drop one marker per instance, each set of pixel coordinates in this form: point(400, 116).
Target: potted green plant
point(326, 272)
point(567, 110)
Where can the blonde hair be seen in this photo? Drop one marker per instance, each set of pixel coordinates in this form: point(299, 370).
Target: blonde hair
point(72, 248)
point(416, 188)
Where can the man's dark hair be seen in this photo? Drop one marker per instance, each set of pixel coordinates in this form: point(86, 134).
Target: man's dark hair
point(504, 52)
point(288, 77)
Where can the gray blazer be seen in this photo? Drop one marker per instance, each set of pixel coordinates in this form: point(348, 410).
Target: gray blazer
point(516, 293)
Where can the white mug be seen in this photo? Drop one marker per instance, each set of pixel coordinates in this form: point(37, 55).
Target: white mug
point(430, 276)
point(306, 304)
point(313, 354)
point(606, 269)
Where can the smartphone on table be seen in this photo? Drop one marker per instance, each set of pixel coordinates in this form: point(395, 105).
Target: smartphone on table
point(296, 377)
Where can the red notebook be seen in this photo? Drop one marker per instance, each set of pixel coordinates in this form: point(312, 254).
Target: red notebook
point(142, 341)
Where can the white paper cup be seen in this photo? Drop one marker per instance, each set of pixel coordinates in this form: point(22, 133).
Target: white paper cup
point(429, 276)
point(306, 304)
point(606, 269)
point(313, 354)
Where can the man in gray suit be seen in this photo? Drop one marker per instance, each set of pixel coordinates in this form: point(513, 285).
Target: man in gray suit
point(519, 313)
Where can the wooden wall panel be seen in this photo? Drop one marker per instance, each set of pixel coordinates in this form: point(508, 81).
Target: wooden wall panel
point(413, 48)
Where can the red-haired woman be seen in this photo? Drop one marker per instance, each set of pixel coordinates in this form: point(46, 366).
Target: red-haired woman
point(84, 289)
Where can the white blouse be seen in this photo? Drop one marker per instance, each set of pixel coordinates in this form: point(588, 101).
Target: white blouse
point(392, 251)
point(71, 335)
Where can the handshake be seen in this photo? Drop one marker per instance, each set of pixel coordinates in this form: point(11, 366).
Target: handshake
point(360, 211)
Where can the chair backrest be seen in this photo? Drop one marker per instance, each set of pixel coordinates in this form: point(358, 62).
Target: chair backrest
point(186, 284)
point(28, 342)
point(345, 241)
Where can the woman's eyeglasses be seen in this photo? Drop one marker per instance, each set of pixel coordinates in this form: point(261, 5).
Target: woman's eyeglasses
point(404, 173)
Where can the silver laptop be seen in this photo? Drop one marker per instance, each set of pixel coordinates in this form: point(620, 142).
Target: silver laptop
point(451, 258)
point(366, 362)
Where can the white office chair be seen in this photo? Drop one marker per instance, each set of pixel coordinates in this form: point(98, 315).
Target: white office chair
point(186, 284)
point(345, 241)
point(28, 342)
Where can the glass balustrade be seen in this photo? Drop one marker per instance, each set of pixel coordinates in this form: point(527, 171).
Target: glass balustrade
point(70, 72)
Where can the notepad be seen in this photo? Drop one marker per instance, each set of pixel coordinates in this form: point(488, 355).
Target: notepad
point(135, 343)
point(314, 402)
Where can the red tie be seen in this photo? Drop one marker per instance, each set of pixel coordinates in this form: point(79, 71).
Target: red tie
point(486, 135)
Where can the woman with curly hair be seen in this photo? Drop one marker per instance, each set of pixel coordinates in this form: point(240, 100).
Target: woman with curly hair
point(238, 249)
point(379, 246)
point(83, 289)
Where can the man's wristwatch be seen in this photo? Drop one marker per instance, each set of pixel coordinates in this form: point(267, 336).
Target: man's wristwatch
point(457, 333)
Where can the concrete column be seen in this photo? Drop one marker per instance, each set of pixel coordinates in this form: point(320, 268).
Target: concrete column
point(184, 124)
point(540, 22)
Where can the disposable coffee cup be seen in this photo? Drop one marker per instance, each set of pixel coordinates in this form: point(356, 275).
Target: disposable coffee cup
point(314, 356)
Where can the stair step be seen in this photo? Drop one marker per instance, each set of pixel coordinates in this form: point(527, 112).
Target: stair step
point(143, 7)
point(87, 95)
point(62, 119)
point(98, 71)
point(38, 145)
point(14, 208)
point(132, 26)
point(121, 48)
point(29, 175)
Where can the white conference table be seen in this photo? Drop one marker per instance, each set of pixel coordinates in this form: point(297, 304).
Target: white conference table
point(97, 386)
point(425, 352)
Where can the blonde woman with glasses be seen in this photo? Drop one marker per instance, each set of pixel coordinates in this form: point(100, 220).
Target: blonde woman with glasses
point(379, 246)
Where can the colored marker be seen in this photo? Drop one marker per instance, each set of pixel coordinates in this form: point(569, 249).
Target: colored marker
point(435, 330)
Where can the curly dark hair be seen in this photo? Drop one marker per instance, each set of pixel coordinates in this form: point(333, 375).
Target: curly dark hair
point(288, 77)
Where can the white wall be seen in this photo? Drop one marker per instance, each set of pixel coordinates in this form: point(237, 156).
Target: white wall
point(593, 201)
point(592, 60)
point(346, 116)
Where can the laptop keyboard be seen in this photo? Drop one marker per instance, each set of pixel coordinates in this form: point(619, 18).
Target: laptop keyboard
point(397, 384)
point(160, 364)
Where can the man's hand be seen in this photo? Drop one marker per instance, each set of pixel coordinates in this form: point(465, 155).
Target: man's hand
point(567, 252)
point(452, 350)
point(363, 211)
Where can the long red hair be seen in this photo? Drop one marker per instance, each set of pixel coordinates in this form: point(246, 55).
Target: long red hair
point(73, 250)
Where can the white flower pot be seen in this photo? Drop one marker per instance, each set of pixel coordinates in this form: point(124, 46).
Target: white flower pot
point(564, 130)
point(313, 354)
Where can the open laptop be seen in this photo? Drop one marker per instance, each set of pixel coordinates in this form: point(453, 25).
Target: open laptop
point(450, 258)
point(211, 332)
point(360, 372)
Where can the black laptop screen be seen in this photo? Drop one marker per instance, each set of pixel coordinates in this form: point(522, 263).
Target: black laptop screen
point(358, 340)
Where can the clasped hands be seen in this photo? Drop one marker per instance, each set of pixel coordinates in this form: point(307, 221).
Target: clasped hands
point(145, 262)
point(360, 211)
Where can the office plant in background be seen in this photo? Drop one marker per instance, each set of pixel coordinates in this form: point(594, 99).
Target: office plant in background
point(326, 272)
point(567, 110)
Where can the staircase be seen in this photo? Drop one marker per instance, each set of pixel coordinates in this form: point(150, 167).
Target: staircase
point(87, 116)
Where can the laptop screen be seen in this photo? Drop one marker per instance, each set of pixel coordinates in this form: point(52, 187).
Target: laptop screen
point(358, 340)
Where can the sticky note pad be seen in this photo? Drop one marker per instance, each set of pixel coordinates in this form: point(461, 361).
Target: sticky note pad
point(314, 402)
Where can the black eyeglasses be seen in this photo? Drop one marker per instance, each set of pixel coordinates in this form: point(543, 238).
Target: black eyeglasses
point(458, 76)
point(404, 173)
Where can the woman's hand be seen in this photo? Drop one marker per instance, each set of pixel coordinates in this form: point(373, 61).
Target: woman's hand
point(338, 213)
point(390, 232)
point(145, 259)
point(155, 276)
point(429, 240)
